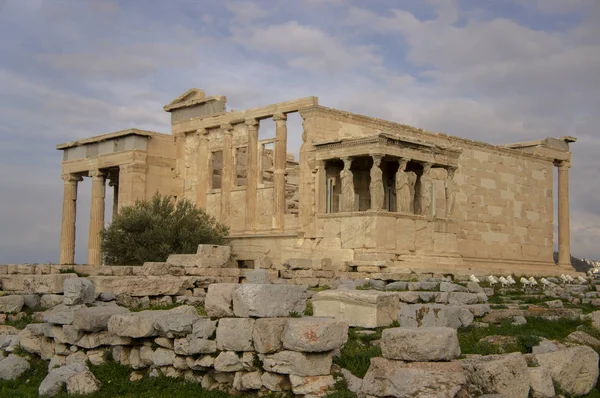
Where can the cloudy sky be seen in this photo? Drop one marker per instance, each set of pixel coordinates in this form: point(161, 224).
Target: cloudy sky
point(500, 71)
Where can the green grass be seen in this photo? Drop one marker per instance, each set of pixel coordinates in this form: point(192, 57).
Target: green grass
point(357, 353)
point(319, 288)
point(340, 389)
point(309, 309)
point(21, 323)
point(527, 335)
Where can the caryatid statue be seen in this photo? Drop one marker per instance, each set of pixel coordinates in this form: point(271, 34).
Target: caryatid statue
point(450, 191)
point(426, 185)
point(376, 185)
point(347, 186)
point(403, 196)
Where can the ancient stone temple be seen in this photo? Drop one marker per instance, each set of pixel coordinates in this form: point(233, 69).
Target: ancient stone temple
point(365, 193)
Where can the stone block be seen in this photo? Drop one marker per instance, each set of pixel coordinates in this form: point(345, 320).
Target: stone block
point(269, 301)
point(426, 286)
point(275, 382)
point(235, 334)
point(462, 298)
point(95, 319)
point(267, 334)
point(143, 323)
point(207, 256)
point(298, 263)
point(48, 301)
point(204, 328)
point(313, 334)
point(451, 287)
point(79, 291)
point(574, 369)
point(245, 381)
point(423, 315)
point(389, 378)
point(175, 325)
point(104, 338)
point(311, 385)
point(35, 284)
point(219, 300)
point(420, 344)
point(541, 382)
point(228, 361)
point(504, 374)
point(362, 308)
point(12, 367)
point(11, 304)
point(396, 286)
point(298, 363)
point(62, 314)
point(191, 345)
point(141, 286)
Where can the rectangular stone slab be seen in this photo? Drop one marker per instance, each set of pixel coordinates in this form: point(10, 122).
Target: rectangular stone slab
point(363, 308)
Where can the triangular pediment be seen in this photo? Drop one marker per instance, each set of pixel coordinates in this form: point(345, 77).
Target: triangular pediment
point(193, 94)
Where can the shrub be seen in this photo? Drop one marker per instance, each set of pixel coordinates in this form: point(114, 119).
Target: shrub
point(152, 229)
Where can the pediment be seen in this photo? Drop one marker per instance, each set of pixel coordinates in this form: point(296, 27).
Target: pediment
point(192, 95)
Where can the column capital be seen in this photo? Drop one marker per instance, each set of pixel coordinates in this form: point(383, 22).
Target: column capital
point(251, 123)
point(94, 174)
point(347, 162)
point(451, 170)
point(402, 162)
point(562, 164)
point(426, 166)
point(227, 128)
point(72, 178)
point(376, 158)
point(279, 116)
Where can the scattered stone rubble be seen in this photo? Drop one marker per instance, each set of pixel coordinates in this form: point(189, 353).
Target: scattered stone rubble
point(253, 338)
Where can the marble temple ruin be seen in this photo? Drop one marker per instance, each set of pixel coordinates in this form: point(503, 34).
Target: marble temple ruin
point(365, 193)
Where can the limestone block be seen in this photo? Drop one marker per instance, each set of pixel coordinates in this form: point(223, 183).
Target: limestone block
point(175, 325)
point(244, 381)
point(269, 301)
point(32, 301)
point(48, 301)
point(95, 319)
point(362, 308)
point(219, 300)
point(83, 383)
point(144, 323)
point(581, 337)
point(541, 382)
point(388, 378)
point(478, 310)
point(120, 354)
point(474, 287)
point(420, 344)
point(313, 334)
point(258, 276)
point(207, 256)
point(396, 286)
point(204, 328)
point(426, 286)
point(316, 385)
point(55, 380)
point(451, 287)
point(79, 291)
point(192, 345)
point(423, 315)
point(409, 297)
point(12, 367)
point(62, 314)
point(104, 338)
point(504, 374)
point(298, 363)
point(228, 361)
point(163, 357)
point(35, 284)
point(574, 370)
point(267, 334)
point(235, 334)
point(275, 382)
point(461, 298)
point(141, 286)
point(298, 263)
point(11, 304)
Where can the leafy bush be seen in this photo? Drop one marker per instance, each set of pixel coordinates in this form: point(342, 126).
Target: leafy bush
point(152, 229)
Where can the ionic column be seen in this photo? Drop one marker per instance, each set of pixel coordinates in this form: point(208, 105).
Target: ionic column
point(67, 230)
point(564, 229)
point(228, 170)
point(252, 174)
point(376, 187)
point(204, 169)
point(347, 179)
point(279, 171)
point(96, 218)
point(113, 177)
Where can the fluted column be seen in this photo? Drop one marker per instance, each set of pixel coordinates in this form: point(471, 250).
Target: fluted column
point(113, 177)
point(96, 218)
point(204, 170)
point(69, 210)
point(564, 229)
point(279, 171)
point(251, 174)
point(376, 187)
point(347, 179)
point(228, 170)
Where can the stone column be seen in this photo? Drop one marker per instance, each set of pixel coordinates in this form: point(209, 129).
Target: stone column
point(279, 164)
point(96, 218)
point(252, 174)
point(347, 179)
point(564, 229)
point(450, 191)
point(69, 210)
point(228, 170)
point(203, 168)
point(403, 196)
point(113, 177)
point(426, 191)
point(376, 186)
